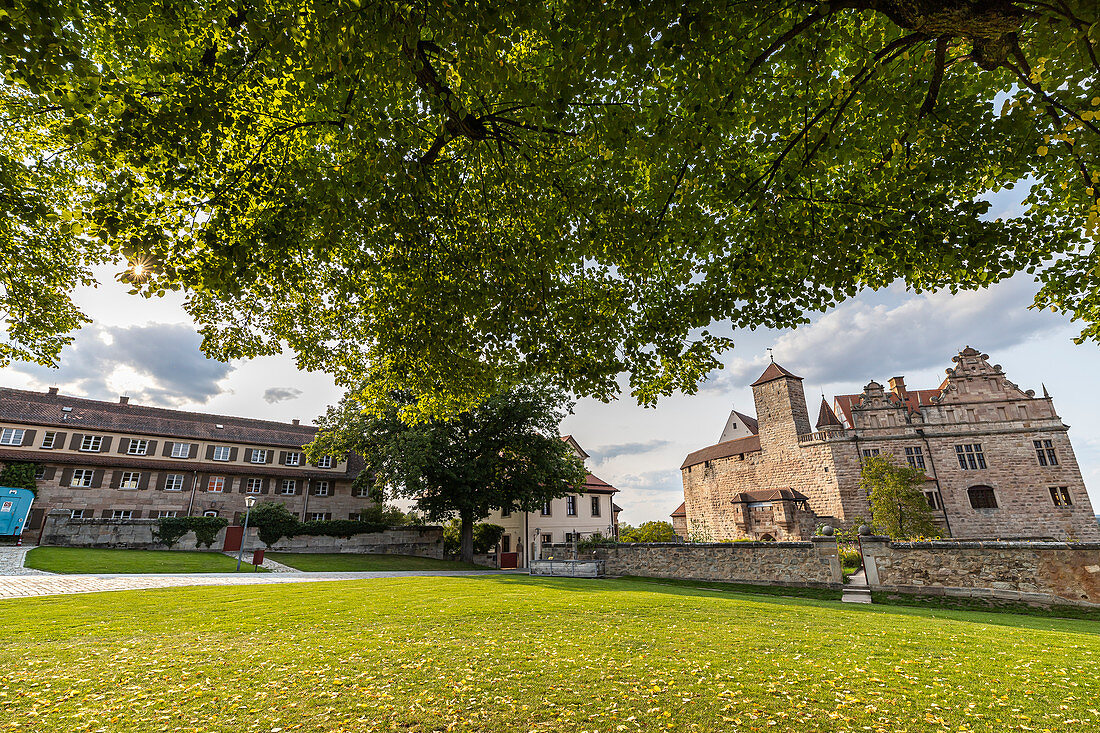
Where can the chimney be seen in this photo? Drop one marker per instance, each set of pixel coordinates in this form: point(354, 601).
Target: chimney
point(897, 386)
point(124, 400)
point(295, 421)
point(53, 390)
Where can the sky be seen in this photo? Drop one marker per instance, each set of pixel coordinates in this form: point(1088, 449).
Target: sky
point(149, 351)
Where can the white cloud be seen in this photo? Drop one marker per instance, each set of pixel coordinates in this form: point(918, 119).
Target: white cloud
point(281, 394)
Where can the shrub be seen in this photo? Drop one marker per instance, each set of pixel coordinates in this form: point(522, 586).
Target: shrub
point(19, 476)
point(273, 521)
point(344, 528)
point(596, 540)
point(169, 530)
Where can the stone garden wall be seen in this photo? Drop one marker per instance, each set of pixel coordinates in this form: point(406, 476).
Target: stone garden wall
point(762, 563)
point(1041, 573)
point(137, 534)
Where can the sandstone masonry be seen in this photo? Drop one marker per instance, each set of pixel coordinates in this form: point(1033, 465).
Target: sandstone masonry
point(998, 460)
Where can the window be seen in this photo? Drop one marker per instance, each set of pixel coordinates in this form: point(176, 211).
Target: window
point(82, 477)
point(935, 501)
point(324, 462)
point(362, 490)
point(181, 450)
point(1044, 450)
point(571, 506)
point(167, 513)
point(322, 488)
point(915, 457)
point(970, 457)
point(595, 506)
point(293, 459)
point(868, 452)
point(547, 539)
point(257, 455)
point(138, 447)
point(289, 486)
point(11, 436)
point(320, 516)
point(254, 486)
point(173, 482)
point(546, 509)
point(129, 480)
point(1060, 496)
point(982, 497)
point(221, 453)
point(210, 513)
point(505, 512)
point(49, 439)
point(39, 473)
point(77, 513)
point(91, 443)
point(122, 514)
point(216, 485)
point(505, 544)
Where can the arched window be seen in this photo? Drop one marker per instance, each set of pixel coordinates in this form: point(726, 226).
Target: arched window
point(982, 497)
point(767, 538)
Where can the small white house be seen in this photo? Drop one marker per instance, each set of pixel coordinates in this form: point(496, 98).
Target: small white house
point(590, 511)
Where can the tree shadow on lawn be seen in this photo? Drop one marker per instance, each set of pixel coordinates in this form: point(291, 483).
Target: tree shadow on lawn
point(992, 618)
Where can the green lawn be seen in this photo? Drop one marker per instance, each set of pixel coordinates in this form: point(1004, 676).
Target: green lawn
point(510, 653)
point(86, 560)
point(343, 562)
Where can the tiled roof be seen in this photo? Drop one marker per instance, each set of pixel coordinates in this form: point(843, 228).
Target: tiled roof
point(23, 406)
point(774, 371)
point(914, 399)
point(749, 422)
point(826, 417)
point(769, 495)
point(681, 511)
point(749, 444)
point(595, 485)
point(355, 465)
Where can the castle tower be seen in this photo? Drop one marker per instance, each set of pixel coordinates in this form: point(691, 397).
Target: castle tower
point(826, 418)
point(780, 409)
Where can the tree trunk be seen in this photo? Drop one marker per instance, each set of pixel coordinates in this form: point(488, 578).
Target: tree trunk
point(466, 532)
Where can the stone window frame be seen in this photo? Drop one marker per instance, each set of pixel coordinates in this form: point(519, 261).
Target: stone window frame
point(971, 457)
point(82, 478)
point(135, 444)
point(547, 538)
point(595, 506)
point(570, 506)
point(257, 455)
point(1045, 452)
point(181, 450)
point(164, 513)
point(49, 440)
point(293, 458)
point(210, 513)
point(914, 456)
point(39, 473)
point(254, 486)
point(170, 482)
point(505, 512)
point(1059, 495)
point(987, 497)
point(122, 514)
point(319, 516)
point(129, 484)
point(91, 443)
point(871, 452)
point(935, 500)
point(322, 488)
point(219, 482)
point(547, 509)
point(288, 483)
point(322, 462)
point(221, 453)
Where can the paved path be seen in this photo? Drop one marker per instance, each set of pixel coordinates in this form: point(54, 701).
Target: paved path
point(857, 590)
point(11, 561)
point(18, 586)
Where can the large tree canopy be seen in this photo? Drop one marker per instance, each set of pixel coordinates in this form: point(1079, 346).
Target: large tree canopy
point(442, 197)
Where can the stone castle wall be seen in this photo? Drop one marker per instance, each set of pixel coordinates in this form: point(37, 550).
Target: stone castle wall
point(1042, 573)
point(812, 563)
point(137, 534)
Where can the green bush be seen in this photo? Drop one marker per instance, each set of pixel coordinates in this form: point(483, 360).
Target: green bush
point(596, 540)
point(169, 530)
point(19, 476)
point(272, 521)
point(344, 528)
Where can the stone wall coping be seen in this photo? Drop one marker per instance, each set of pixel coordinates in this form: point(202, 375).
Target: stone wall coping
point(987, 545)
point(731, 545)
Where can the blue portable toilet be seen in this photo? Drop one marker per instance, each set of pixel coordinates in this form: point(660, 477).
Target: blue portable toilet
point(15, 505)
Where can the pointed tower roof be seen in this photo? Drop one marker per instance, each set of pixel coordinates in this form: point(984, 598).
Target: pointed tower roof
point(826, 418)
point(773, 372)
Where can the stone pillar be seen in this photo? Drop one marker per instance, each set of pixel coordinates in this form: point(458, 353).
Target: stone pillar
point(53, 527)
point(826, 550)
point(876, 554)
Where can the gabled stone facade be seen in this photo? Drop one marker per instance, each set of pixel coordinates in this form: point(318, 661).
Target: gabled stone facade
point(998, 459)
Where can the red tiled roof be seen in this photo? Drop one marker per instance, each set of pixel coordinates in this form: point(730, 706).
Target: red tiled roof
point(769, 495)
point(26, 407)
point(914, 399)
point(774, 371)
point(826, 417)
point(749, 444)
point(596, 485)
point(681, 511)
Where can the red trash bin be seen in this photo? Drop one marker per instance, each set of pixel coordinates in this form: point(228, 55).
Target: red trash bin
point(257, 557)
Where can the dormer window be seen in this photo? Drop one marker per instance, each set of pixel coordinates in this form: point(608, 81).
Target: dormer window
point(91, 443)
point(257, 455)
point(324, 462)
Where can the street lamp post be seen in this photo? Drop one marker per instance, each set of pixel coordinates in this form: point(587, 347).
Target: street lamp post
point(249, 502)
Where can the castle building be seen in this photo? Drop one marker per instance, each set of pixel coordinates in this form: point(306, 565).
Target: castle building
point(125, 461)
point(997, 459)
